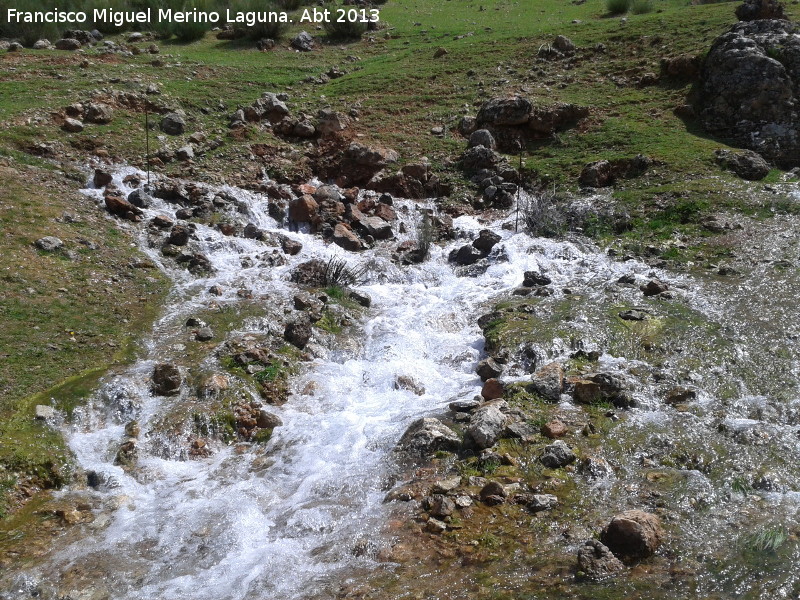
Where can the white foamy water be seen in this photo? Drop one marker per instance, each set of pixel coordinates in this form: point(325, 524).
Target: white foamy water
point(283, 523)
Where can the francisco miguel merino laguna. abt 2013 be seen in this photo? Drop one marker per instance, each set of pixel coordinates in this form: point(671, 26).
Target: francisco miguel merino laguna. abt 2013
point(120, 18)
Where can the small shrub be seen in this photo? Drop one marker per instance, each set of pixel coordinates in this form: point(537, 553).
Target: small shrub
point(293, 4)
point(343, 30)
point(641, 7)
point(767, 540)
point(267, 30)
point(543, 217)
point(339, 274)
point(617, 7)
point(29, 33)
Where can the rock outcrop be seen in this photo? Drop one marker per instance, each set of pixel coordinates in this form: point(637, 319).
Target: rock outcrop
point(750, 87)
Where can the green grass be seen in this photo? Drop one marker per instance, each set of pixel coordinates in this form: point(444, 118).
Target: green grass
point(64, 320)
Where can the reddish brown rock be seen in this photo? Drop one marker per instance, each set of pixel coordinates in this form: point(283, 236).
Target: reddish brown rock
point(633, 534)
point(492, 389)
point(554, 429)
point(122, 208)
point(587, 392)
point(303, 209)
point(344, 237)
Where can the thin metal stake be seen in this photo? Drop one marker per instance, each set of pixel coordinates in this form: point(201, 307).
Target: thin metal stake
point(519, 185)
point(147, 143)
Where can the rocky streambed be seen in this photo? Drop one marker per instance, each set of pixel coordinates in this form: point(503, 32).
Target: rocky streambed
point(393, 416)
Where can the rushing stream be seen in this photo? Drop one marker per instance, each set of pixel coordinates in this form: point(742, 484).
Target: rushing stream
point(283, 520)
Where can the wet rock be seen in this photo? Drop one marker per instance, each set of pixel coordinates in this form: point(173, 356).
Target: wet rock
point(607, 387)
point(303, 209)
point(492, 389)
point(179, 236)
point(446, 486)
point(548, 382)
point(213, 385)
point(633, 534)
point(554, 429)
point(377, 228)
point(493, 493)
point(166, 379)
point(290, 246)
point(486, 426)
point(466, 255)
point(141, 199)
point(534, 279)
point(440, 506)
point(49, 243)
point(769, 482)
point(488, 369)
point(746, 164)
point(311, 273)
point(680, 395)
point(596, 562)
point(542, 502)
point(251, 232)
point(520, 430)
point(406, 382)
point(298, 332)
point(586, 392)
point(173, 124)
point(435, 526)
point(480, 157)
point(593, 467)
point(44, 412)
point(122, 208)
point(426, 436)
point(344, 237)
point(654, 287)
point(464, 405)
point(557, 455)
point(486, 240)
point(268, 420)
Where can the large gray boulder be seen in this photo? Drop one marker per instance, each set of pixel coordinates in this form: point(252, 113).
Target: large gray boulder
point(505, 111)
point(750, 86)
point(485, 428)
point(426, 436)
point(173, 124)
point(746, 164)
